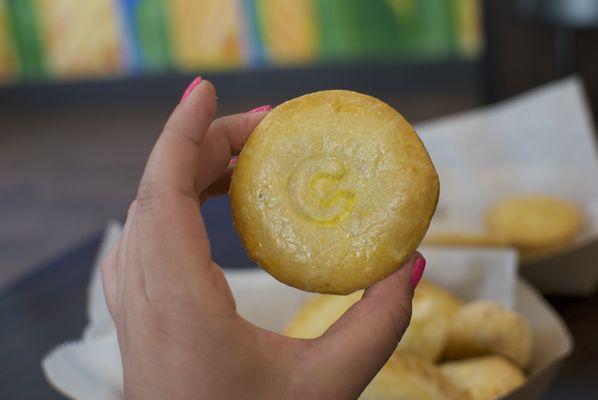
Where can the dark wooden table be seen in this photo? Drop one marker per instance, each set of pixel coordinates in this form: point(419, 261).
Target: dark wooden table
point(48, 307)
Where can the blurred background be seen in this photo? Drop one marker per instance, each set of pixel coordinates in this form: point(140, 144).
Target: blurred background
point(85, 86)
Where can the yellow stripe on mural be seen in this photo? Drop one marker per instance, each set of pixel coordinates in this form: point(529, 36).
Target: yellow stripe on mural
point(206, 33)
point(469, 27)
point(288, 30)
point(81, 37)
point(7, 56)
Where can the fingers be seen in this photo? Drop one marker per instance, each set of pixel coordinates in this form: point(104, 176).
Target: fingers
point(360, 342)
point(173, 163)
point(192, 151)
point(170, 240)
point(225, 138)
point(219, 187)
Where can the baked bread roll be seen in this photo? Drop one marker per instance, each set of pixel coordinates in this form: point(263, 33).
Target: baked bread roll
point(333, 191)
point(483, 327)
point(534, 222)
point(406, 377)
point(433, 308)
point(319, 313)
point(484, 378)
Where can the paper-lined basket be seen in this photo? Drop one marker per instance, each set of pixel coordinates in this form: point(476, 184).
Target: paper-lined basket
point(90, 369)
point(541, 142)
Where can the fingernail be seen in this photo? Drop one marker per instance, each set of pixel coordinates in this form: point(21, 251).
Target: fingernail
point(260, 109)
point(232, 162)
point(419, 265)
point(190, 88)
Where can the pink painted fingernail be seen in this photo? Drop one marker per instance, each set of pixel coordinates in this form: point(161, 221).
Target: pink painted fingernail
point(419, 265)
point(190, 88)
point(260, 109)
point(232, 162)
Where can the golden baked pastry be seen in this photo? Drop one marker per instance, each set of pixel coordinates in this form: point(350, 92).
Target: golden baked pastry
point(333, 191)
point(534, 221)
point(433, 308)
point(483, 327)
point(319, 313)
point(484, 378)
point(406, 377)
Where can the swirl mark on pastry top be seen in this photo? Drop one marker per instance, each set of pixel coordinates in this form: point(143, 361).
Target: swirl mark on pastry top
point(315, 190)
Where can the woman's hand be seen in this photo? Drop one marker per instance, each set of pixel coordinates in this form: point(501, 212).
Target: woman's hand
point(179, 333)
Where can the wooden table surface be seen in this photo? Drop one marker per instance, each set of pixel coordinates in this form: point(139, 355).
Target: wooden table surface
point(48, 308)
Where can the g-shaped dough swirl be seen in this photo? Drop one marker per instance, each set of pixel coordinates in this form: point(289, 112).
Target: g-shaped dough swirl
point(315, 190)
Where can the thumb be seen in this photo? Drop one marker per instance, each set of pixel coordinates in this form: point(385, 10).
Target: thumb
point(359, 343)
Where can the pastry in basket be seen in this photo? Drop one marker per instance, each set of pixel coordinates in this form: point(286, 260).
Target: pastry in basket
point(484, 378)
point(333, 191)
point(483, 327)
point(406, 377)
point(319, 313)
point(534, 222)
point(433, 307)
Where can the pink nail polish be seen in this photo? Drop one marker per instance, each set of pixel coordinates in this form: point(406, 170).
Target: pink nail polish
point(419, 265)
point(190, 88)
point(232, 162)
point(260, 109)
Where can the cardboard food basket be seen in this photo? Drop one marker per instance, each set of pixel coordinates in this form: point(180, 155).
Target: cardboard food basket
point(541, 142)
point(90, 369)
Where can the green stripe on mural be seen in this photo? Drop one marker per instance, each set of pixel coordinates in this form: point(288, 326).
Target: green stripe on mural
point(385, 29)
point(151, 21)
point(25, 30)
point(357, 29)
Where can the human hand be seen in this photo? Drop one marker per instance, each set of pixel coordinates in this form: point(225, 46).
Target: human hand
point(179, 334)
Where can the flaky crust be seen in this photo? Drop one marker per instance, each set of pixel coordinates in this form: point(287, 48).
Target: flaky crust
point(484, 378)
point(333, 191)
point(319, 313)
point(408, 377)
point(534, 222)
point(482, 328)
point(433, 310)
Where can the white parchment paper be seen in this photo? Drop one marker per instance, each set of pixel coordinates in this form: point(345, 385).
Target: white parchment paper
point(90, 369)
point(539, 142)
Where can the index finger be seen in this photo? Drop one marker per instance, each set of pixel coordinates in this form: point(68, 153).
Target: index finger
point(225, 138)
point(175, 159)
